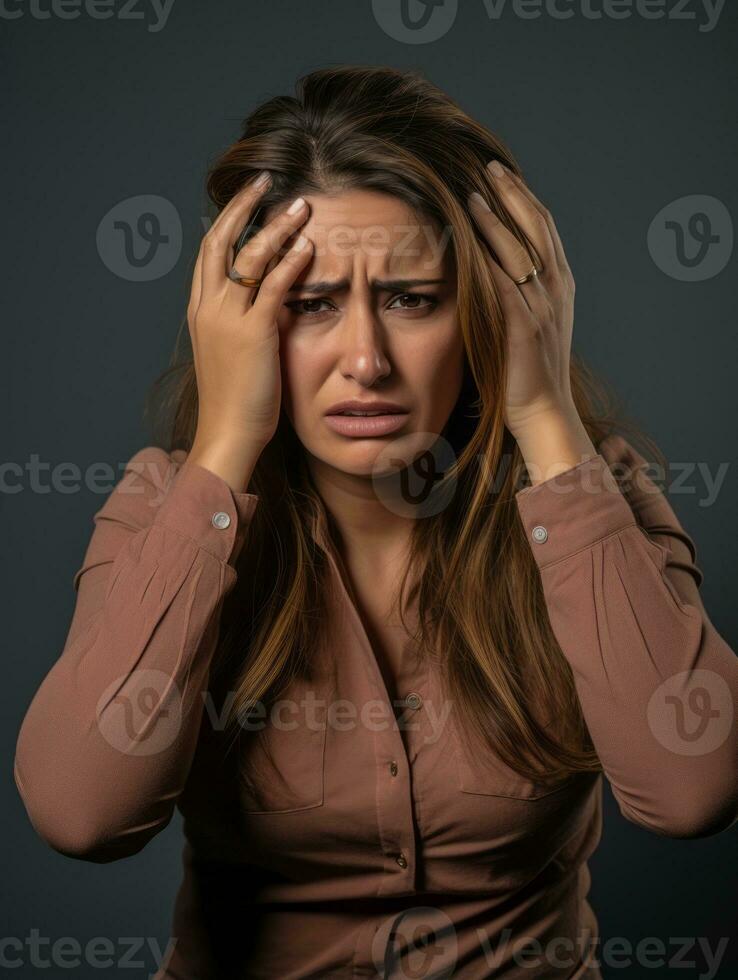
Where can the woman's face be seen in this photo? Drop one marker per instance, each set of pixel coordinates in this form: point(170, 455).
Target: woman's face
point(381, 325)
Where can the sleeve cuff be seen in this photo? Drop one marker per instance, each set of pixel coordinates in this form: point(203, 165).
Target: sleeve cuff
point(201, 505)
point(573, 510)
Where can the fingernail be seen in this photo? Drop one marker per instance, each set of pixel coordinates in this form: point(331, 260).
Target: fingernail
point(496, 168)
point(300, 243)
point(262, 179)
point(296, 205)
point(478, 199)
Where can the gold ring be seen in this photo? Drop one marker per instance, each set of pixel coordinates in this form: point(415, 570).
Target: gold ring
point(531, 275)
point(235, 276)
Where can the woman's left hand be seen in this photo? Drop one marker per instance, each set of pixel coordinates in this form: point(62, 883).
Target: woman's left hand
point(539, 313)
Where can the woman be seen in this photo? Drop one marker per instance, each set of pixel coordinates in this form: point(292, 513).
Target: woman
point(381, 665)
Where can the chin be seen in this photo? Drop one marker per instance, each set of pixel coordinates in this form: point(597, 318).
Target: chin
point(355, 457)
point(377, 457)
point(360, 458)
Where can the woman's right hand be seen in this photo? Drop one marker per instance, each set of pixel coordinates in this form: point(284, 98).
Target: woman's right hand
point(235, 338)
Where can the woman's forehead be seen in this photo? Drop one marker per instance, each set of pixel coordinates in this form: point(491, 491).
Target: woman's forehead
point(363, 232)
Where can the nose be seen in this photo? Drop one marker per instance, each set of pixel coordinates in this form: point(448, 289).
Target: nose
point(363, 338)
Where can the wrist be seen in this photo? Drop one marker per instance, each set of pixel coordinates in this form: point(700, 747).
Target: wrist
point(233, 462)
point(553, 442)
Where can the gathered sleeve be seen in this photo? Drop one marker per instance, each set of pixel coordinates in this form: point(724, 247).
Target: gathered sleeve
point(657, 684)
point(107, 741)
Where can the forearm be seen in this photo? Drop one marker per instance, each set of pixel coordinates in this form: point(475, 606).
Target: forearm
point(656, 682)
point(106, 744)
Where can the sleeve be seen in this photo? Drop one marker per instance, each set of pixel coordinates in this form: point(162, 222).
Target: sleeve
point(107, 741)
point(657, 684)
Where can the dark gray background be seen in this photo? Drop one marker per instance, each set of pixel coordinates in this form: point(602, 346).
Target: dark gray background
point(611, 121)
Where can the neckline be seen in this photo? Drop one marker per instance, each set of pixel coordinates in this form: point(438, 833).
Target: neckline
point(348, 603)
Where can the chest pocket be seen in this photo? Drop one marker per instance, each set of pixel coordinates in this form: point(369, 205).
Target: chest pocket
point(480, 772)
point(283, 762)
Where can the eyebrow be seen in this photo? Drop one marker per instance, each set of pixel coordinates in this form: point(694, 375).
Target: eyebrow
point(378, 285)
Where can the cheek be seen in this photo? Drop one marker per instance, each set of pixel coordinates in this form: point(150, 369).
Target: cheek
point(435, 370)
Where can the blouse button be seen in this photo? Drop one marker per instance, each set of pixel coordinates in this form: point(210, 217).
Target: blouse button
point(413, 700)
point(221, 519)
point(539, 534)
point(393, 768)
point(401, 860)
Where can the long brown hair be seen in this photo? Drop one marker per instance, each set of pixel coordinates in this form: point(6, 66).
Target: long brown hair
point(480, 599)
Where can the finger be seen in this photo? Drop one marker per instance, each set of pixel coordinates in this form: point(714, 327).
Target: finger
point(266, 244)
point(217, 243)
point(196, 281)
point(512, 255)
point(555, 237)
point(248, 190)
point(513, 302)
point(529, 218)
point(276, 283)
point(558, 246)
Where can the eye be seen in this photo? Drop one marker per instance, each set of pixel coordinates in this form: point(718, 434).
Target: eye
point(302, 306)
point(432, 302)
point(298, 306)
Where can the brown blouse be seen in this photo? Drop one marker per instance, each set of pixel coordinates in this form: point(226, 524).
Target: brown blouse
point(371, 844)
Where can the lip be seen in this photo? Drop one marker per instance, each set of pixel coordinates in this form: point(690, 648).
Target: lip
point(366, 427)
point(376, 405)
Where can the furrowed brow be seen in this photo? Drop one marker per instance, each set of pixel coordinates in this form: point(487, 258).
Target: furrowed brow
point(378, 285)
